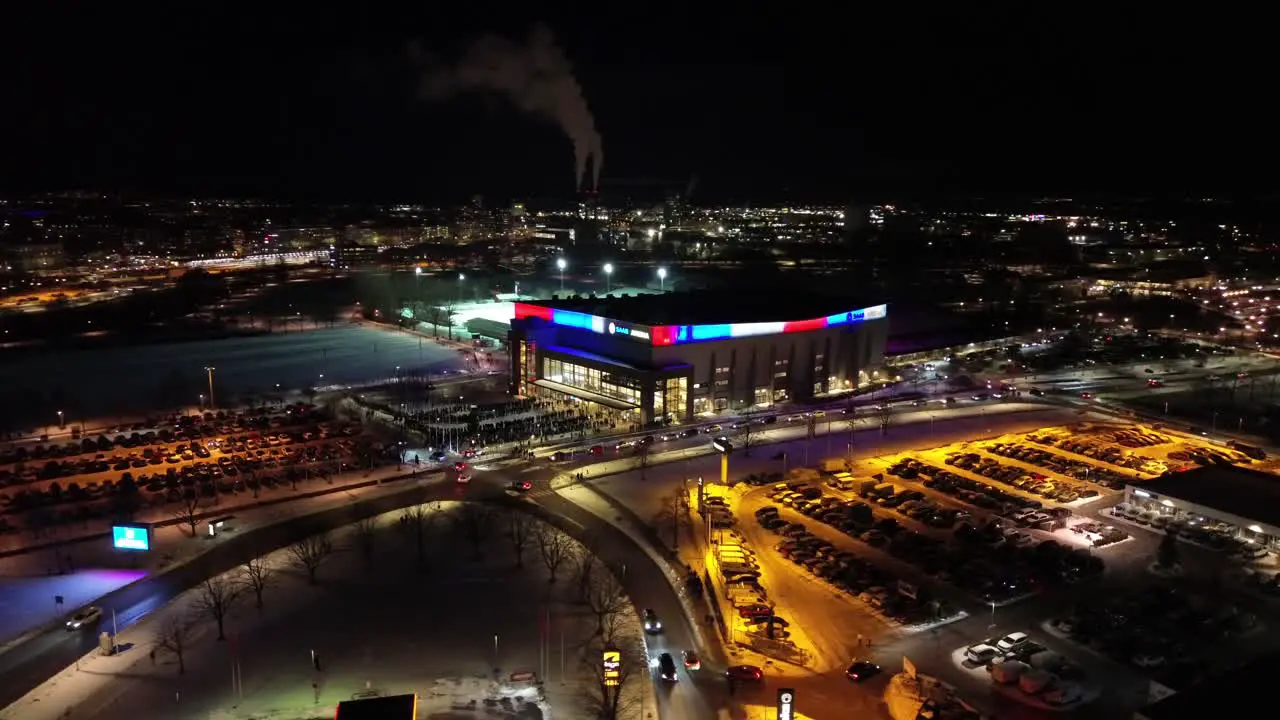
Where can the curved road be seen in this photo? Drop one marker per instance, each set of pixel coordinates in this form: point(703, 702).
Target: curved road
point(27, 665)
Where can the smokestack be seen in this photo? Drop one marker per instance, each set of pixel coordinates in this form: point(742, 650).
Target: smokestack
point(536, 77)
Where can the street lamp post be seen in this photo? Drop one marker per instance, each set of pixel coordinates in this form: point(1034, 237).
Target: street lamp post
point(608, 277)
point(208, 369)
point(561, 264)
point(662, 279)
point(61, 424)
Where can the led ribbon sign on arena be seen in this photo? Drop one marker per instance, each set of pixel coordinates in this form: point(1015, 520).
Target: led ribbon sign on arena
point(680, 334)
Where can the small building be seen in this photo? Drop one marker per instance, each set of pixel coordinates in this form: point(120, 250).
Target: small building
point(1248, 500)
point(392, 707)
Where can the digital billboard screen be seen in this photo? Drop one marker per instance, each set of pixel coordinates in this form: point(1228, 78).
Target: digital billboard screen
point(131, 537)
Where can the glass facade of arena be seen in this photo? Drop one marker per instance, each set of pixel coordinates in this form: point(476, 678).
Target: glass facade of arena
point(619, 387)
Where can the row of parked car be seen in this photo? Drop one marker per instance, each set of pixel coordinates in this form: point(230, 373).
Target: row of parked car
point(266, 468)
point(972, 492)
point(968, 566)
point(1154, 627)
point(1061, 465)
point(1017, 660)
point(848, 572)
point(157, 447)
point(1100, 535)
point(1214, 535)
point(1210, 456)
point(1102, 453)
point(1136, 437)
point(1036, 483)
point(168, 429)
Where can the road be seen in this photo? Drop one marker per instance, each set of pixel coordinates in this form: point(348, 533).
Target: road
point(27, 665)
point(698, 695)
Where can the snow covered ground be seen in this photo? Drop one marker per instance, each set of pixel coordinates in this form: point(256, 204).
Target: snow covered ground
point(343, 355)
point(28, 602)
point(444, 627)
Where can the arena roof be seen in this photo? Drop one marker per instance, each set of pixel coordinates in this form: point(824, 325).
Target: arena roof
point(1249, 494)
point(700, 307)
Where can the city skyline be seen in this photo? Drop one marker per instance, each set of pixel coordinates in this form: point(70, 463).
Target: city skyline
point(329, 105)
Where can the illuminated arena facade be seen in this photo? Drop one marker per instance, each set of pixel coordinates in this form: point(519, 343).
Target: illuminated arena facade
point(661, 359)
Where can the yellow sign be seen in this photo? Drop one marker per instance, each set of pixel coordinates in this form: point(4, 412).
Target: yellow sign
point(612, 668)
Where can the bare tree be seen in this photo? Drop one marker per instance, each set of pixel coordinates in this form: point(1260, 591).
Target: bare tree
point(553, 548)
point(366, 529)
point(671, 514)
point(174, 637)
point(642, 455)
point(747, 433)
point(216, 598)
point(520, 528)
point(475, 522)
point(602, 594)
point(623, 699)
point(416, 521)
point(884, 415)
point(188, 509)
point(309, 554)
point(851, 422)
point(255, 576)
point(582, 572)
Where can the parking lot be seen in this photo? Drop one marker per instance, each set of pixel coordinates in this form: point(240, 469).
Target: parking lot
point(160, 462)
point(1023, 669)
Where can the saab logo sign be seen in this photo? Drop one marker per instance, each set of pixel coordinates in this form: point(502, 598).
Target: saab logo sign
point(786, 704)
point(616, 329)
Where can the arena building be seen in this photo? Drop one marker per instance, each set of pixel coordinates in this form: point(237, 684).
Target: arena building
point(666, 358)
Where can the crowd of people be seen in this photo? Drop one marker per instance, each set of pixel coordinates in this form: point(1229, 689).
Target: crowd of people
point(523, 420)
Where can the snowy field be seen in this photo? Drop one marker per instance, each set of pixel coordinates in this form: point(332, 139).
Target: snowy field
point(443, 624)
point(112, 381)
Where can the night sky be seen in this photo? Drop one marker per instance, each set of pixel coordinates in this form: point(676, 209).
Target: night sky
point(804, 100)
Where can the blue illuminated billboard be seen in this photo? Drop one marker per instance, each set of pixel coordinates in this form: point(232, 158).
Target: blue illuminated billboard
point(131, 537)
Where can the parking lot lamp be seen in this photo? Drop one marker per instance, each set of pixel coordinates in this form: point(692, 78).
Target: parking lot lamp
point(662, 279)
point(608, 277)
point(561, 264)
point(208, 369)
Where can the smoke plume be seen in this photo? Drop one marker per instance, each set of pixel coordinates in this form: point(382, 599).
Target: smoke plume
point(536, 77)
